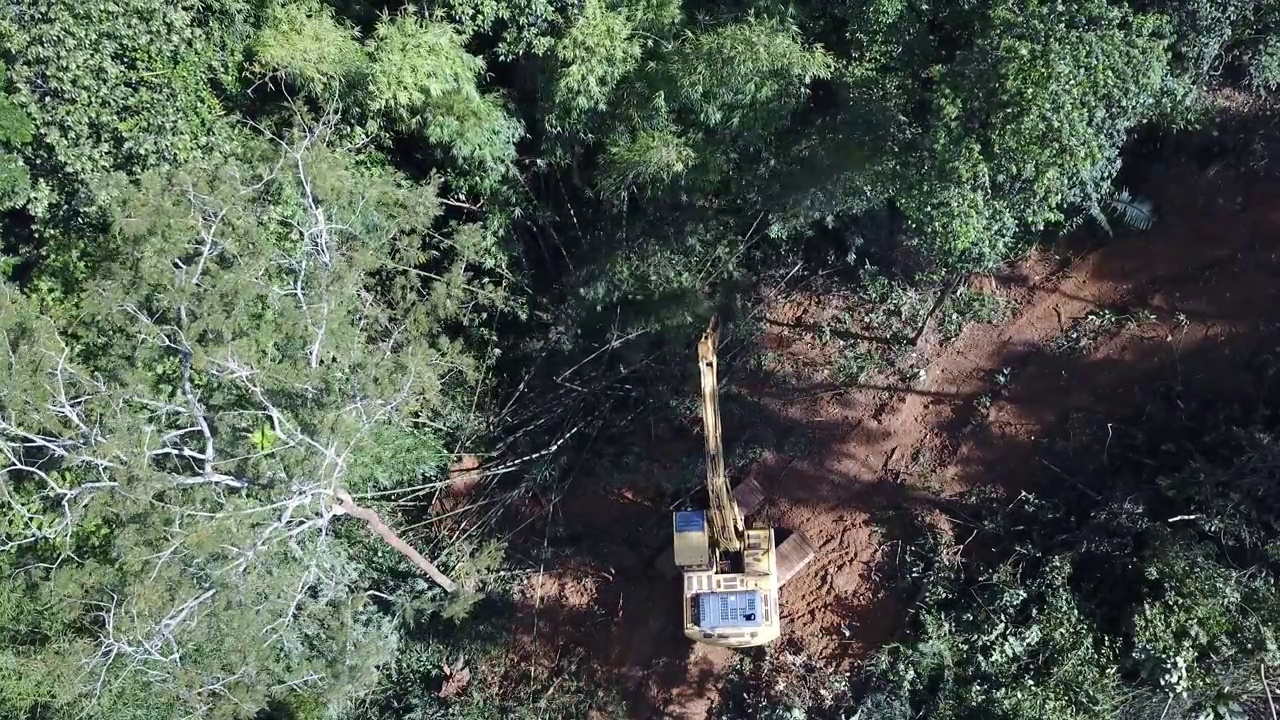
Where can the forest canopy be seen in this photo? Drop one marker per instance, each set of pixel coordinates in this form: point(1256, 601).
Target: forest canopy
point(258, 256)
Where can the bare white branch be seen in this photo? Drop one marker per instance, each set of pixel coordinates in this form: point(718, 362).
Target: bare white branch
point(195, 454)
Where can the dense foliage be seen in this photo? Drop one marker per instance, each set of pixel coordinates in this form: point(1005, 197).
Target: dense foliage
point(1160, 604)
point(258, 257)
point(1155, 596)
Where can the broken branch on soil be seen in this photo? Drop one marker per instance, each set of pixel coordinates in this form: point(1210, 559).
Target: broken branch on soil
point(1071, 479)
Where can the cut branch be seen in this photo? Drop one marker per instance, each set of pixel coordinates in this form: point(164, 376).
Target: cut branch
point(390, 538)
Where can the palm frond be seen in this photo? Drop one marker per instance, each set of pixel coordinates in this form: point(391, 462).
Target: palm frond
point(1097, 214)
point(1136, 212)
point(1074, 221)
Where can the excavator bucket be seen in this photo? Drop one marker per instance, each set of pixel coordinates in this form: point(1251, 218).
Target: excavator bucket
point(793, 555)
point(749, 495)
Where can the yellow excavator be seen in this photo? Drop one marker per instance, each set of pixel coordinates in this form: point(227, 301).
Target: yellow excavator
point(732, 573)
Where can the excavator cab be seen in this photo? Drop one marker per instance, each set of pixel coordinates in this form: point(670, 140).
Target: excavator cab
point(731, 574)
point(729, 598)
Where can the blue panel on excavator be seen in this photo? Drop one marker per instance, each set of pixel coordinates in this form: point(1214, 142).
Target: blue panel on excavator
point(691, 521)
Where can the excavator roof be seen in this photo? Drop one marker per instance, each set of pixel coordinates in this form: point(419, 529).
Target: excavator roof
point(725, 609)
point(692, 543)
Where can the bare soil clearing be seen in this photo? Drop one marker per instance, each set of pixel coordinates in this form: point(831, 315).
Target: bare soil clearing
point(1095, 330)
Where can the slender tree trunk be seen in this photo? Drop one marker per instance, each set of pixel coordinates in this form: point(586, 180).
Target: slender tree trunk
point(937, 305)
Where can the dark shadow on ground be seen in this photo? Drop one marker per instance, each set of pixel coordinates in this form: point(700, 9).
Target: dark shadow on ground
point(1060, 421)
point(816, 328)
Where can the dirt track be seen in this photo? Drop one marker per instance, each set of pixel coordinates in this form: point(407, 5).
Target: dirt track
point(1093, 331)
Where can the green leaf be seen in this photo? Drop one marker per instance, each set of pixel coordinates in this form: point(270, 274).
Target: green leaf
point(264, 438)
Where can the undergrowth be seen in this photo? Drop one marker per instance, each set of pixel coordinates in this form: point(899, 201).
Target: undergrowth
point(869, 331)
point(783, 683)
point(1086, 332)
point(1154, 595)
point(894, 310)
point(501, 681)
point(1156, 605)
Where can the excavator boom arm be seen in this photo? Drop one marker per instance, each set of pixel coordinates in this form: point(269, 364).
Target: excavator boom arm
point(727, 527)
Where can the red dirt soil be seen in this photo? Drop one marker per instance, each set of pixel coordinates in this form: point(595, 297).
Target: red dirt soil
point(1181, 294)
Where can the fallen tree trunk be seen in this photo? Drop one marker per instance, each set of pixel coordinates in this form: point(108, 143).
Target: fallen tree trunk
point(390, 537)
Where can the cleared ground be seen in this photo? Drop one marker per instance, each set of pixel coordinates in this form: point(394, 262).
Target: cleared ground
point(1094, 332)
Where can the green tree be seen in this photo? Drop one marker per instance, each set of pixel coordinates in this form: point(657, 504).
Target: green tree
point(177, 448)
point(1104, 609)
point(15, 130)
point(307, 46)
point(114, 86)
point(411, 76)
point(600, 49)
point(426, 81)
point(110, 88)
point(1028, 121)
